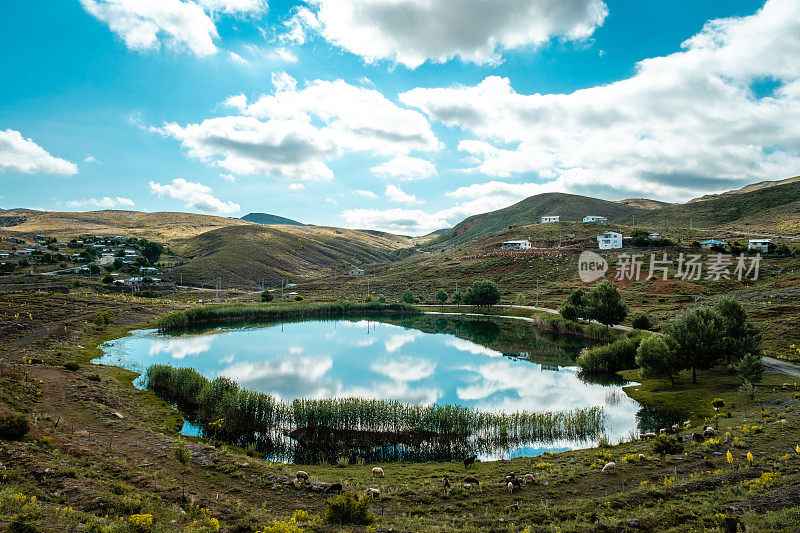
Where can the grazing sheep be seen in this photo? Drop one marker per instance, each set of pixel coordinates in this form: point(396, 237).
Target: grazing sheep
point(470, 460)
point(662, 431)
point(610, 467)
point(301, 475)
point(377, 472)
point(334, 488)
point(528, 478)
point(466, 486)
point(710, 432)
point(373, 493)
point(642, 457)
point(675, 428)
point(687, 424)
point(514, 484)
point(649, 435)
point(445, 484)
point(510, 477)
point(697, 437)
point(471, 479)
point(298, 483)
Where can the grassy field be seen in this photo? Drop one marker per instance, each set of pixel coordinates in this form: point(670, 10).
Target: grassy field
point(83, 465)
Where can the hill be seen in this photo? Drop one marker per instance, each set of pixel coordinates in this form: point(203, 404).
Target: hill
point(570, 207)
point(274, 220)
point(746, 189)
point(643, 203)
point(241, 255)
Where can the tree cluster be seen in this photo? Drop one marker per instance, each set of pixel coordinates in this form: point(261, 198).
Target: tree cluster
point(604, 304)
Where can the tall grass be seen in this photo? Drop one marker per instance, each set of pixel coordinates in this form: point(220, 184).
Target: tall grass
point(613, 357)
point(243, 417)
point(230, 312)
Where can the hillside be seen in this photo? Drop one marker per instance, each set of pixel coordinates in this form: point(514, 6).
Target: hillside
point(570, 207)
point(161, 226)
point(643, 203)
point(746, 189)
point(241, 255)
point(274, 220)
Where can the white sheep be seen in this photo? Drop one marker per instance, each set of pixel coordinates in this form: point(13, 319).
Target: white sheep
point(528, 478)
point(511, 486)
point(687, 424)
point(610, 467)
point(377, 472)
point(301, 475)
point(642, 457)
point(710, 432)
point(373, 492)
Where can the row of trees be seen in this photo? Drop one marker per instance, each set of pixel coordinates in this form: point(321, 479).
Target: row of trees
point(483, 293)
point(701, 338)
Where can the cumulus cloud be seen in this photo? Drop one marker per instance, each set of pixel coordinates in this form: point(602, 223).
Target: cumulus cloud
point(366, 194)
point(105, 203)
point(296, 187)
point(293, 132)
point(683, 124)
point(178, 24)
point(414, 31)
point(24, 155)
point(195, 196)
point(395, 194)
point(405, 168)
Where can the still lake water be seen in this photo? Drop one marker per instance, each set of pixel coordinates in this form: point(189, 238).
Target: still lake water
point(497, 365)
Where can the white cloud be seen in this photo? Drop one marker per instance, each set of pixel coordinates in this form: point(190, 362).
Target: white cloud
point(405, 168)
point(24, 155)
point(366, 194)
point(404, 368)
point(180, 347)
point(414, 31)
point(105, 203)
point(281, 55)
point(687, 123)
point(404, 221)
point(395, 194)
point(234, 7)
point(293, 133)
point(195, 196)
point(296, 187)
point(236, 58)
point(91, 159)
point(230, 178)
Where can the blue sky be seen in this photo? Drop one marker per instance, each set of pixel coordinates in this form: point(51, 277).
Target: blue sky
point(396, 116)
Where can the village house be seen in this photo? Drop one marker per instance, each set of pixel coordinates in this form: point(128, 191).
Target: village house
point(595, 219)
point(710, 243)
point(762, 245)
point(356, 271)
point(517, 245)
point(551, 219)
point(609, 240)
point(655, 236)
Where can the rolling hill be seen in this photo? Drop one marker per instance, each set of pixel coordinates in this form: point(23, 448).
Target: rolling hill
point(570, 207)
point(274, 220)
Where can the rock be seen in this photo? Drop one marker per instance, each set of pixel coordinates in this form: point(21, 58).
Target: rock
point(119, 415)
point(632, 522)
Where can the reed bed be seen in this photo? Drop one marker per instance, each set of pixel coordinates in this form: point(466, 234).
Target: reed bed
point(210, 314)
point(241, 417)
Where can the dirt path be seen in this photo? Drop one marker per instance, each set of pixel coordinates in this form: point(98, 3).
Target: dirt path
point(785, 367)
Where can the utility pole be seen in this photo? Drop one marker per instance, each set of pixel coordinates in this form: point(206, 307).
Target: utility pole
point(282, 296)
point(219, 286)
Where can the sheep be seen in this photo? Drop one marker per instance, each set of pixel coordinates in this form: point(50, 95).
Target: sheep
point(528, 478)
point(514, 484)
point(697, 437)
point(466, 486)
point(301, 475)
point(642, 457)
point(511, 476)
point(445, 484)
point(662, 431)
point(298, 483)
point(675, 428)
point(610, 467)
point(470, 460)
point(373, 493)
point(377, 472)
point(710, 432)
point(471, 479)
point(687, 424)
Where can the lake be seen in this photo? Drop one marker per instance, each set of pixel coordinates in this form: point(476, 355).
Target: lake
point(493, 365)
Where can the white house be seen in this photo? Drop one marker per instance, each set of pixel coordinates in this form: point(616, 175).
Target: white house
point(4, 255)
point(594, 219)
point(517, 245)
point(655, 236)
point(549, 219)
point(25, 252)
point(356, 271)
point(762, 245)
point(712, 242)
point(609, 240)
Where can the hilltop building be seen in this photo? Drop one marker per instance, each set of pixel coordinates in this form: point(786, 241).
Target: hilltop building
point(710, 243)
point(356, 271)
point(517, 245)
point(609, 240)
point(595, 219)
point(762, 245)
point(550, 219)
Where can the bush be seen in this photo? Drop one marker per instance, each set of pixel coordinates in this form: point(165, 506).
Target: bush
point(407, 297)
point(482, 293)
point(381, 299)
point(642, 321)
point(13, 427)
point(750, 368)
point(657, 357)
point(666, 445)
point(72, 365)
point(93, 377)
point(347, 508)
point(298, 298)
point(441, 297)
point(267, 296)
point(610, 358)
point(108, 278)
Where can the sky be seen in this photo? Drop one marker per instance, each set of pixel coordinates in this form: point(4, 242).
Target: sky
point(400, 115)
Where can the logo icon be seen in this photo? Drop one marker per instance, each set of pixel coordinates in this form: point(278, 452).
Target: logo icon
point(591, 267)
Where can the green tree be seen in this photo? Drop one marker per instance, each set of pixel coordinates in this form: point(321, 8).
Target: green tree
point(183, 456)
point(642, 321)
point(441, 296)
point(739, 335)
point(575, 306)
point(750, 368)
point(483, 293)
point(94, 270)
point(152, 251)
point(698, 333)
point(457, 297)
point(657, 357)
point(107, 279)
point(407, 296)
point(606, 305)
point(267, 296)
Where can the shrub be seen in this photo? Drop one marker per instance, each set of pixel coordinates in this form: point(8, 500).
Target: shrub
point(750, 368)
point(298, 298)
point(267, 296)
point(13, 427)
point(72, 365)
point(666, 445)
point(482, 293)
point(441, 296)
point(108, 278)
point(93, 377)
point(657, 357)
point(610, 358)
point(347, 508)
point(642, 321)
point(381, 299)
point(407, 296)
